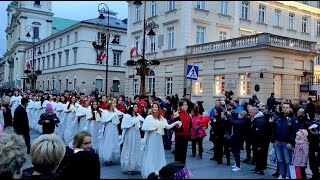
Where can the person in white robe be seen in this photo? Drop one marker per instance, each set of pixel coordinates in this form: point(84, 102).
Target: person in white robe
point(83, 114)
point(31, 112)
point(15, 101)
point(109, 148)
point(71, 120)
point(93, 124)
point(61, 115)
point(131, 154)
point(152, 144)
point(39, 109)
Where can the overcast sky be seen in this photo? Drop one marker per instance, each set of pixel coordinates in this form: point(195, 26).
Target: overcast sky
point(75, 10)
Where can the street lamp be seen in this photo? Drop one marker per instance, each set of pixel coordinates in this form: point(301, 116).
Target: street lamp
point(142, 65)
point(103, 45)
point(32, 75)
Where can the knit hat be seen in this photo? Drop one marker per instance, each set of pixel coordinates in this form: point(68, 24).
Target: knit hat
point(302, 133)
point(49, 108)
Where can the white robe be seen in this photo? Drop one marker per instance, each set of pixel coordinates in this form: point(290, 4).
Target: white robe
point(31, 114)
point(92, 126)
point(60, 114)
point(83, 114)
point(131, 154)
point(38, 111)
point(109, 148)
point(70, 124)
point(153, 155)
point(14, 103)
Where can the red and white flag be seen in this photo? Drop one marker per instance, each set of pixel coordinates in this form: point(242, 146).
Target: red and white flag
point(248, 75)
point(295, 172)
point(101, 56)
point(28, 65)
point(133, 49)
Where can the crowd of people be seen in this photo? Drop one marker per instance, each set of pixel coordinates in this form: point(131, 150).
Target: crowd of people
point(89, 129)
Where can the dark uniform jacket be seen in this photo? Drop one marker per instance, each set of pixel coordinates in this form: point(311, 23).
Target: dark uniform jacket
point(21, 123)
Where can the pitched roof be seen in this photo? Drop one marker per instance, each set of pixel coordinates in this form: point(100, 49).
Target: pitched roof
point(60, 24)
point(113, 22)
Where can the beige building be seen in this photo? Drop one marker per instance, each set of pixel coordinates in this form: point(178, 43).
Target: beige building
point(203, 33)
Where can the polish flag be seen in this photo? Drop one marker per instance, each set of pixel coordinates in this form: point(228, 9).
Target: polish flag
point(295, 172)
point(28, 65)
point(133, 49)
point(101, 56)
point(248, 75)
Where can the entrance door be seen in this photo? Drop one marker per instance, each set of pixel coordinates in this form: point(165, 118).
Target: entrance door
point(98, 84)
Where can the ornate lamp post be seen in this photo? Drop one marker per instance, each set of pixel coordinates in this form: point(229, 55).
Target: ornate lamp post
point(103, 45)
point(32, 75)
point(142, 65)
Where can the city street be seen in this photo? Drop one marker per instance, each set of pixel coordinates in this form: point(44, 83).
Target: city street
point(200, 168)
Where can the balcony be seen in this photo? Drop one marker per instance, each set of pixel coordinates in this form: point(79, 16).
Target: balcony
point(253, 41)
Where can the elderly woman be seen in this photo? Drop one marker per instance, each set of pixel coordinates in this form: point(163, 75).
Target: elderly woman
point(12, 155)
point(47, 152)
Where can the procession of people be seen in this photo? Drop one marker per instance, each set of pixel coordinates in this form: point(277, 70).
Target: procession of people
point(135, 134)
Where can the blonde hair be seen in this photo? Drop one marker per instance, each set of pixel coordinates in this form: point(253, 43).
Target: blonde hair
point(12, 154)
point(47, 152)
point(78, 138)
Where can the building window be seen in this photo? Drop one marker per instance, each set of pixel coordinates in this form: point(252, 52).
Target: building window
point(37, 3)
point(200, 34)
point(44, 48)
point(53, 61)
point(245, 85)
point(137, 43)
point(48, 62)
point(153, 44)
point(198, 86)
point(297, 82)
point(151, 82)
point(304, 2)
point(68, 39)
point(138, 14)
point(318, 4)
point(169, 86)
point(318, 27)
point(74, 84)
point(172, 5)
point(219, 85)
point(171, 38)
point(36, 32)
point(224, 7)
point(317, 61)
point(59, 60)
point(222, 35)
point(115, 85)
point(75, 56)
point(201, 4)
point(245, 10)
point(60, 43)
point(38, 64)
point(117, 38)
point(291, 21)
point(116, 58)
point(54, 45)
point(48, 47)
point(135, 87)
point(277, 85)
point(76, 37)
point(67, 58)
point(277, 17)
point(43, 62)
point(304, 24)
point(67, 84)
point(262, 14)
point(153, 8)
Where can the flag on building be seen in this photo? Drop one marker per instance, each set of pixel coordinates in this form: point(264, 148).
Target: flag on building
point(101, 56)
point(133, 49)
point(248, 75)
point(28, 65)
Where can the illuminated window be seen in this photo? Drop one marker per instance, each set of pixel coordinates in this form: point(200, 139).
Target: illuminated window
point(219, 85)
point(277, 85)
point(297, 82)
point(245, 85)
point(198, 86)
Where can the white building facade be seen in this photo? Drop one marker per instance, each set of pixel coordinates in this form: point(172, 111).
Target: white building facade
point(182, 25)
point(68, 60)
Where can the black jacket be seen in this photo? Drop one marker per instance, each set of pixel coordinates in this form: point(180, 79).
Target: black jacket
point(270, 103)
point(21, 122)
point(258, 130)
point(238, 125)
point(27, 174)
point(285, 129)
point(48, 128)
point(7, 116)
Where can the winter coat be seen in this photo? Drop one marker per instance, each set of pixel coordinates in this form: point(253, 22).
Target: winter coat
point(301, 153)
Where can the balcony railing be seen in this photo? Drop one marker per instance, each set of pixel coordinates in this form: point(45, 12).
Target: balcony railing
point(252, 41)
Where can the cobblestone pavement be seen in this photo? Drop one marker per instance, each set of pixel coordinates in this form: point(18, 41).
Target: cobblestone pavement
point(200, 168)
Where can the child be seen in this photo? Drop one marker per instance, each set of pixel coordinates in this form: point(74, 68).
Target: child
point(203, 122)
point(301, 151)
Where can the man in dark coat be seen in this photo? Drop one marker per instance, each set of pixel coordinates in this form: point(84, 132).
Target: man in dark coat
point(21, 122)
point(271, 102)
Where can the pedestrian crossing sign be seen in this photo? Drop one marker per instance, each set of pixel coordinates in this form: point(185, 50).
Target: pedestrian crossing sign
point(192, 72)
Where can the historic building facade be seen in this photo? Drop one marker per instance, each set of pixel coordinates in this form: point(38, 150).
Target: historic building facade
point(224, 39)
point(68, 60)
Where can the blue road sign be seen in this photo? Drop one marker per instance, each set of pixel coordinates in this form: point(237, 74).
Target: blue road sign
point(192, 72)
